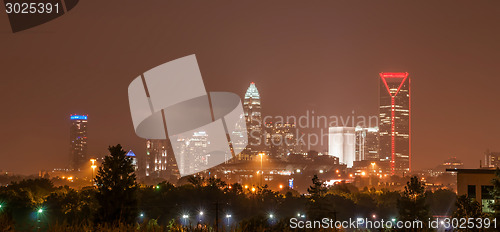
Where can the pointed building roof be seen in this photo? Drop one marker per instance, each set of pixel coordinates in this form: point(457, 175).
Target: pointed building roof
point(252, 92)
point(130, 153)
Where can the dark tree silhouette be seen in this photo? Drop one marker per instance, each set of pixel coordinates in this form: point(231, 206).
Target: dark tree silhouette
point(117, 188)
point(318, 189)
point(318, 206)
point(412, 204)
point(467, 208)
point(496, 194)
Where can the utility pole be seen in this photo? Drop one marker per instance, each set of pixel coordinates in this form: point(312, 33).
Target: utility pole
point(217, 216)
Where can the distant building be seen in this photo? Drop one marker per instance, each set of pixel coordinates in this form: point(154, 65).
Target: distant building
point(341, 144)
point(476, 184)
point(78, 141)
point(492, 159)
point(367, 142)
point(132, 155)
point(281, 138)
point(253, 115)
point(394, 121)
point(452, 163)
point(160, 160)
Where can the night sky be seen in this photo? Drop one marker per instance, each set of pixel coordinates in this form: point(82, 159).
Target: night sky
point(303, 55)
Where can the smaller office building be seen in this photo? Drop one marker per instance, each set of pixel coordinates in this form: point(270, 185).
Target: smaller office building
point(477, 184)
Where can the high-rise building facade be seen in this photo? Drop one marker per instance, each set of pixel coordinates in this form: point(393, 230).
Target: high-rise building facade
point(395, 121)
point(342, 144)
point(160, 160)
point(492, 159)
point(281, 139)
point(367, 142)
point(130, 154)
point(78, 141)
point(253, 116)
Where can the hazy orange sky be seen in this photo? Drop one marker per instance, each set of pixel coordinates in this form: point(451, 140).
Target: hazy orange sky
point(303, 55)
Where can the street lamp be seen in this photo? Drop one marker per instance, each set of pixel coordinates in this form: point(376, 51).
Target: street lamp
point(201, 216)
point(93, 166)
point(228, 216)
point(39, 211)
point(262, 174)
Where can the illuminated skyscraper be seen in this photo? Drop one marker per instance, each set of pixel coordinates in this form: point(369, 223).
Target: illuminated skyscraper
point(253, 115)
point(132, 156)
point(341, 144)
point(367, 142)
point(160, 160)
point(78, 141)
point(281, 138)
point(395, 121)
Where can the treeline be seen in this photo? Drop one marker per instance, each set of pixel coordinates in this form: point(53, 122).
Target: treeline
point(118, 203)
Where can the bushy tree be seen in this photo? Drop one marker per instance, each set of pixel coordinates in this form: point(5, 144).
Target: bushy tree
point(467, 208)
point(318, 206)
point(116, 188)
point(317, 189)
point(412, 204)
point(496, 193)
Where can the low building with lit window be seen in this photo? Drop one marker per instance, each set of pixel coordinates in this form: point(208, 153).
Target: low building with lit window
point(476, 184)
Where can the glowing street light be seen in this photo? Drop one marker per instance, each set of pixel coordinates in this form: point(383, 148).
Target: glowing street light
point(185, 217)
point(201, 213)
point(281, 186)
point(262, 175)
point(271, 216)
point(39, 212)
point(93, 166)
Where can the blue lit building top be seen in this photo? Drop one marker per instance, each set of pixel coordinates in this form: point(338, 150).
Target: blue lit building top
point(78, 117)
point(130, 153)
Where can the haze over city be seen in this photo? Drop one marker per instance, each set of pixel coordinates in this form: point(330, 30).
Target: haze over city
point(303, 57)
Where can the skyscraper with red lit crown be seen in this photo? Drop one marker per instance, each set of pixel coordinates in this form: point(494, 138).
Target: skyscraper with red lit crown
point(395, 121)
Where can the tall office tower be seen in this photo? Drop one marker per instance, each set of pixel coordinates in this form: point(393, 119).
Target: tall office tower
point(367, 141)
point(252, 110)
point(160, 160)
point(130, 154)
point(395, 121)
point(78, 141)
point(281, 138)
point(341, 144)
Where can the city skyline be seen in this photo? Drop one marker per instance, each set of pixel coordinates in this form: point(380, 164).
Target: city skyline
point(313, 62)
